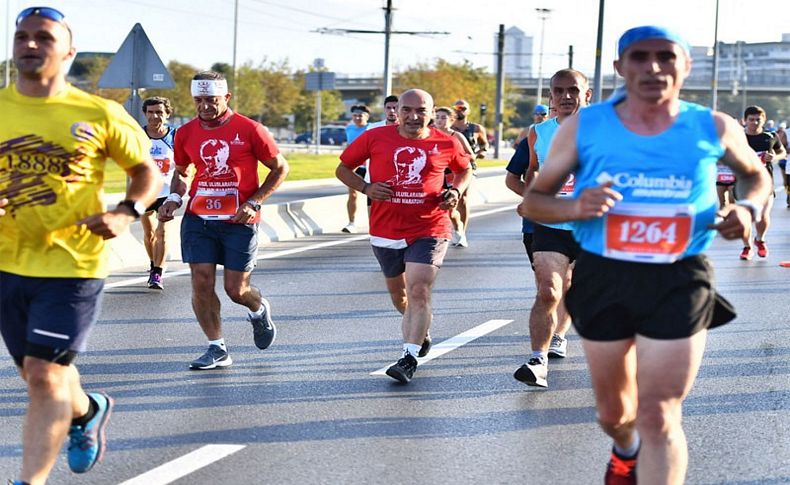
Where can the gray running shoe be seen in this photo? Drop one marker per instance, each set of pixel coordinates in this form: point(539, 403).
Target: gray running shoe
point(558, 348)
point(213, 358)
point(263, 330)
point(533, 373)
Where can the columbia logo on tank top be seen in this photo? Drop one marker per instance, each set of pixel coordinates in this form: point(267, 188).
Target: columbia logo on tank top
point(644, 231)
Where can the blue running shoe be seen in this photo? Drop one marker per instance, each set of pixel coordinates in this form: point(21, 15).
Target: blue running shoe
point(87, 443)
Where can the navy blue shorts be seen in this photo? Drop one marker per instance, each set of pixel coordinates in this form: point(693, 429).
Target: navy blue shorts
point(234, 246)
point(47, 317)
point(426, 250)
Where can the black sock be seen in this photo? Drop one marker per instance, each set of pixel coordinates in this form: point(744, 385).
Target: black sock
point(151, 267)
point(157, 270)
point(93, 407)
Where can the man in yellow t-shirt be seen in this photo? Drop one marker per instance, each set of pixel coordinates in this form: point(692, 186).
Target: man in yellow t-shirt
point(54, 142)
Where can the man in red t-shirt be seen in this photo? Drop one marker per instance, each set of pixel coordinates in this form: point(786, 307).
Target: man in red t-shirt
point(221, 221)
point(409, 218)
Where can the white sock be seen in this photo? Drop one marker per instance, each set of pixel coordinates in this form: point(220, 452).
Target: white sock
point(412, 349)
point(632, 450)
point(259, 313)
point(220, 343)
point(543, 356)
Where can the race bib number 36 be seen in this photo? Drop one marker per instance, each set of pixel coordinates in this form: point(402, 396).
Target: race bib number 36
point(215, 204)
point(648, 233)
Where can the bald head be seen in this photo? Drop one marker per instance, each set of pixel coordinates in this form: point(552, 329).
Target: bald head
point(415, 108)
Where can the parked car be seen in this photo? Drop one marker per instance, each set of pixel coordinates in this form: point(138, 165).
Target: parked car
point(330, 135)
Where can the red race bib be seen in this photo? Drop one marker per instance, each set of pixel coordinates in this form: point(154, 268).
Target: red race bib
point(163, 164)
point(215, 204)
point(654, 233)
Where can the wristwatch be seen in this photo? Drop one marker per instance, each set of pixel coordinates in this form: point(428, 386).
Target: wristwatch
point(136, 207)
point(256, 206)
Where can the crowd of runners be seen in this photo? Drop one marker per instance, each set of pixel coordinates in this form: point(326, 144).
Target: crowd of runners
point(620, 201)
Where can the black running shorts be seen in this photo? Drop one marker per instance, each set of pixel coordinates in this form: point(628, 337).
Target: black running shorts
point(613, 300)
point(549, 239)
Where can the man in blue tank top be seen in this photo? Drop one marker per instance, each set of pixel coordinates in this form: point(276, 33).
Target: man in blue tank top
point(645, 210)
point(554, 249)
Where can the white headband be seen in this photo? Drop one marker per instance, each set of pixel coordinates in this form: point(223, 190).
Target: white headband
point(209, 87)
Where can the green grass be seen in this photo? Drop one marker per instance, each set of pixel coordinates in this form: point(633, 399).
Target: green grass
point(304, 166)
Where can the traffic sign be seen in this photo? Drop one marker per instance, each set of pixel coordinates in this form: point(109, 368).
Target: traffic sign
point(319, 81)
point(136, 65)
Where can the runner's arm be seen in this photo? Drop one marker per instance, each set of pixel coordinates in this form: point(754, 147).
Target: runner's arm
point(540, 203)
point(464, 142)
point(145, 183)
point(278, 170)
point(482, 142)
point(532, 169)
point(753, 187)
point(178, 189)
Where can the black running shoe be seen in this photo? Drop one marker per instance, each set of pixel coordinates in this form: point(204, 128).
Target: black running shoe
point(403, 369)
point(426, 346)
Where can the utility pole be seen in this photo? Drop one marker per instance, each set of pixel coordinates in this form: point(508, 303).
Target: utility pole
point(500, 89)
point(570, 57)
point(388, 33)
point(543, 14)
point(598, 91)
point(7, 45)
point(235, 37)
point(715, 78)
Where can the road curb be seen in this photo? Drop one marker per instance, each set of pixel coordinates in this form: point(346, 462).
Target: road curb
point(291, 220)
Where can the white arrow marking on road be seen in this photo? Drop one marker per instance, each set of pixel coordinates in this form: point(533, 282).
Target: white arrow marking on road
point(453, 343)
point(288, 252)
point(183, 466)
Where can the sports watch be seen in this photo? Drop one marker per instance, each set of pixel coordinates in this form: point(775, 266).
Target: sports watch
point(256, 206)
point(136, 207)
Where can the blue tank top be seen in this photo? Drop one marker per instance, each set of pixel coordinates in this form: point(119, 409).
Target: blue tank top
point(545, 133)
point(666, 180)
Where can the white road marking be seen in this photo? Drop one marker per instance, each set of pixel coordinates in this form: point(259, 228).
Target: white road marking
point(288, 252)
point(453, 343)
point(183, 466)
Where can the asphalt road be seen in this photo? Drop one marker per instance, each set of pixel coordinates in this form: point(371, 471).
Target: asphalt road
point(308, 409)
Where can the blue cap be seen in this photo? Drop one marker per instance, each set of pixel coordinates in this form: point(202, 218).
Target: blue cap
point(638, 34)
point(541, 109)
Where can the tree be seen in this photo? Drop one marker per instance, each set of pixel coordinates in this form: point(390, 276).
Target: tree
point(448, 82)
point(180, 96)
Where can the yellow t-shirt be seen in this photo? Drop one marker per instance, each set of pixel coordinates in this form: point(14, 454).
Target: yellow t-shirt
point(52, 156)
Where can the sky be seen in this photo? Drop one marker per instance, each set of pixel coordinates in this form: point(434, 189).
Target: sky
point(200, 32)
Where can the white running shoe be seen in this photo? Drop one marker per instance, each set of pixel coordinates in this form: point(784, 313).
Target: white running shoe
point(558, 347)
point(350, 228)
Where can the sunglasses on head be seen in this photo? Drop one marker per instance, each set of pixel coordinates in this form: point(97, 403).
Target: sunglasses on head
point(46, 12)
point(461, 108)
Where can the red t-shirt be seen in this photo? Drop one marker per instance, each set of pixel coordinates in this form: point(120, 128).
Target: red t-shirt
point(414, 169)
point(226, 162)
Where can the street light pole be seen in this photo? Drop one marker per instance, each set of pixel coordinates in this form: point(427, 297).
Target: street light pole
point(598, 89)
point(7, 45)
point(235, 37)
point(387, 35)
point(543, 14)
point(715, 77)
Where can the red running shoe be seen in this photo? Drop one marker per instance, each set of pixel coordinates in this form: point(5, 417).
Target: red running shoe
point(746, 254)
point(620, 471)
point(762, 249)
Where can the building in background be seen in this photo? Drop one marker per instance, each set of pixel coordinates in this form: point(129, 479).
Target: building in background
point(519, 58)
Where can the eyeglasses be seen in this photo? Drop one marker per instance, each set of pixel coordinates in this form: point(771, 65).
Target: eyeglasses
point(46, 12)
point(541, 114)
